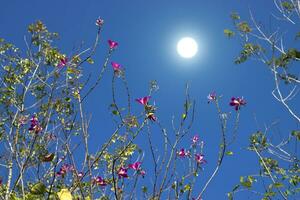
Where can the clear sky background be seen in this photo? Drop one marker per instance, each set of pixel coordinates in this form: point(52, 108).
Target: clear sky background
point(147, 32)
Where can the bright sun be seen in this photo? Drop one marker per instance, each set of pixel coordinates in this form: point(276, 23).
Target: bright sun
point(187, 47)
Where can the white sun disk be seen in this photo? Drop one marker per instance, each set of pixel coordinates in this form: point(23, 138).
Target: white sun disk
point(187, 47)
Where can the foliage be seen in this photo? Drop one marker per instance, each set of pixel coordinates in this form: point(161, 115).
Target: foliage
point(278, 173)
point(45, 130)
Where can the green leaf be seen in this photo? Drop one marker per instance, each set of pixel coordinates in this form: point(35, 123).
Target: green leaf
point(296, 134)
point(229, 33)
point(230, 195)
point(229, 153)
point(278, 185)
point(144, 189)
point(244, 27)
point(187, 187)
point(246, 183)
point(38, 189)
point(235, 16)
point(64, 194)
point(90, 60)
point(115, 112)
point(288, 6)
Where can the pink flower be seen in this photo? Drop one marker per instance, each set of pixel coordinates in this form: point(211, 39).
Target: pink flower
point(135, 166)
point(34, 120)
point(144, 100)
point(182, 153)
point(35, 126)
point(142, 172)
point(211, 97)
point(80, 174)
point(112, 44)
point(116, 66)
point(237, 102)
point(99, 181)
point(99, 22)
point(200, 158)
point(65, 168)
point(63, 62)
point(122, 172)
point(195, 139)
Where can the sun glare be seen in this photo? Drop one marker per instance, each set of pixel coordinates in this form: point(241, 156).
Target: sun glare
point(187, 47)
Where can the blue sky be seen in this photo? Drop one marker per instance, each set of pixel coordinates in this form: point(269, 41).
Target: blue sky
point(147, 32)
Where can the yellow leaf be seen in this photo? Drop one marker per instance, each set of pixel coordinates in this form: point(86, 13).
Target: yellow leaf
point(64, 194)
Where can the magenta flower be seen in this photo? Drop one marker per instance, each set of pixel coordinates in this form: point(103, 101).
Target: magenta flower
point(200, 158)
point(144, 100)
point(99, 22)
point(116, 66)
point(63, 62)
point(135, 166)
point(122, 172)
point(211, 97)
point(182, 153)
point(237, 102)
point(80, 174)
point(112, 44)
point(99, 181)
point(195, 139)
point(35, 126)
point(34, 120)
point(142, 172)
point(65, 168)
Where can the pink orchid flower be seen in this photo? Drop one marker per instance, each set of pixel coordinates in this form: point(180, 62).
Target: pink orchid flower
point(122, 172)
point(237, 102)
point(182, 153)
point(80, 174)
point(65, 168)
point(142, 172)
point(63, 62)
point(116, 66)
point(195, 139)
point(200, 158)
point(144, 100)
point(211, 97)
point(99, 22)
point(99, 181)
point(112, 44)
point(135, 166)
point(35, 126)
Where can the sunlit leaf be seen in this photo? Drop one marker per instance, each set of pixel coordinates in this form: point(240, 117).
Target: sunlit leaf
point(90, 60)
point(64, 194)
point(229, 33)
